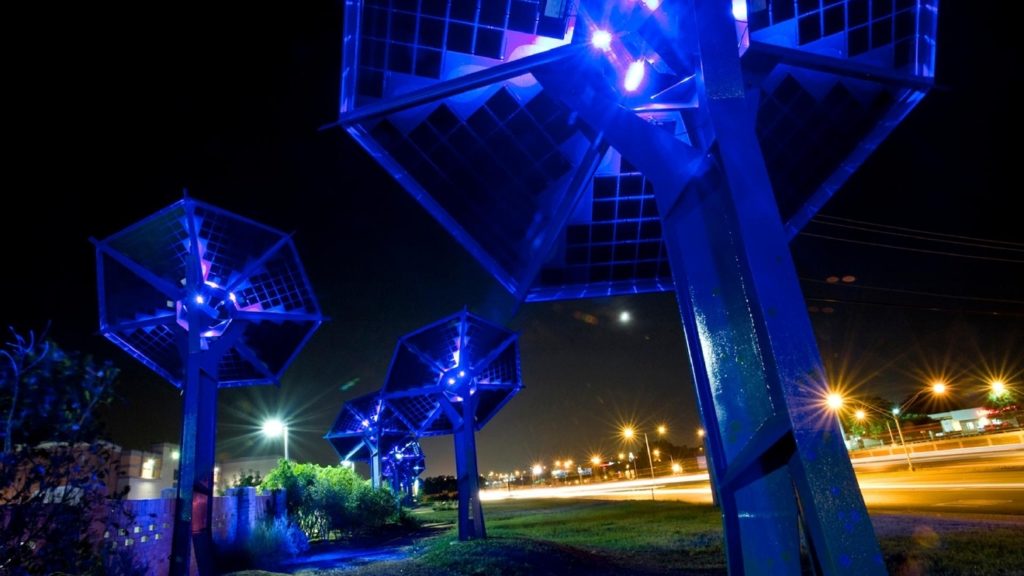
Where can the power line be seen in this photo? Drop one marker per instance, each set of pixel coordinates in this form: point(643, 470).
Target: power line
point(909, 249)
point(820, 217)
point(975, 242)
point(1003, 313)
point(917, 292)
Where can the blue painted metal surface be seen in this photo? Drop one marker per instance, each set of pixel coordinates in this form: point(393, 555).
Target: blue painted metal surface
point(206, 299)
point(682, 154)
point(368, 430)
point(452, 377)
point(402, 466)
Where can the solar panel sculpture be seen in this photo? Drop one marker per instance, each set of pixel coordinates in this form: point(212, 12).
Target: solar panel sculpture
point(611, 147)
point(206, 299)
point(403, 465)
point(452, 377)
point(367, 430)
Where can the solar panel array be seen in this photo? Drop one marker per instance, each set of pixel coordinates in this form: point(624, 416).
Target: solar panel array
point(465, 356)
point(511, 171)
point(250, 288)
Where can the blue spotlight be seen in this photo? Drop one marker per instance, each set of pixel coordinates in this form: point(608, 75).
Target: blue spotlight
point(601, 39)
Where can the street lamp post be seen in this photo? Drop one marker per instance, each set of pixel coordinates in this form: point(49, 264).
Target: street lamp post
point(273, 428)
point(906, 450)
point(628, 432)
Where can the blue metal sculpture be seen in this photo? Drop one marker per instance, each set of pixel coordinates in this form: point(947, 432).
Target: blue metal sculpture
point(206, 299)
point(623, 146)
point(402, 466)
point(452, 377)
point(367, 430)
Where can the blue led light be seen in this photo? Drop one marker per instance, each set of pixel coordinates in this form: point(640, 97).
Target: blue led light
point(634, 76)
point(601, 39)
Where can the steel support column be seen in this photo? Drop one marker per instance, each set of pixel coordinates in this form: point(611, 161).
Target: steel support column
point(755, 362)
point(471, 514)
point(193, 511)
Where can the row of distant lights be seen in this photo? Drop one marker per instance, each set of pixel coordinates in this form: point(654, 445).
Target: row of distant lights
point(602, 40)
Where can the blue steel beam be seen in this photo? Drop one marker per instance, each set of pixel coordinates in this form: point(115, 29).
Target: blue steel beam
point(703, 236)
point(193, 507)
point(471, 514)
point(840, 533)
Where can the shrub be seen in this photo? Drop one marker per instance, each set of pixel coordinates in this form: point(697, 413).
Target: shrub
point(328, 499)
point(275, 540)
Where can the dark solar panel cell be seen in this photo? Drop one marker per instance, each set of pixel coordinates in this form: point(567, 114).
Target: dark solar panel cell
point(492, 12)
point(835, 19)
point(490, 43)
point(460, 37)
point(464, 10)
point(428, 63)
point(431, 32)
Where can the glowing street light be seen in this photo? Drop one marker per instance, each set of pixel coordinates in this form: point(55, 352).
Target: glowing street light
point(834, 400)
point(998, 388)
point(628, 433)
point(939, 387)
point(273, 428)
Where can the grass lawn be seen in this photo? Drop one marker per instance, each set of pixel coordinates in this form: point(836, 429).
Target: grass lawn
point(605, 538)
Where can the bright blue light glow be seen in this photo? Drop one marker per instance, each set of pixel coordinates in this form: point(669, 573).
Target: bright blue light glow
point(451, 381)
point(739, 10)
point(601, 39)
point(462, 373)
point(652, 4)
point(634, 76)
point(200, 299)
point(232, 297)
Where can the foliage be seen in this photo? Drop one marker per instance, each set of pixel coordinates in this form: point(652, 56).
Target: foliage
point(440, 488)
point(251, 478)
point(57, 477)
point(877, 414)
point(330, 499)
point(274, 540)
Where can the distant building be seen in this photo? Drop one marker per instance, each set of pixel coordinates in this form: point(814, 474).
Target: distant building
point(148, 473)
point(229, 471)
point(973, 420)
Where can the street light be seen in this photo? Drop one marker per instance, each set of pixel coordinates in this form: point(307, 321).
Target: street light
point(998, 388)
point(835, 401)
point(628, 433)
point(273, 428)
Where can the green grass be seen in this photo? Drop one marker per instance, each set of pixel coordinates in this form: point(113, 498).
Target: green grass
point(640, 538)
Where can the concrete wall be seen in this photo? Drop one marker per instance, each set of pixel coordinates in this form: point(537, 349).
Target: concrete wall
point(147, 525)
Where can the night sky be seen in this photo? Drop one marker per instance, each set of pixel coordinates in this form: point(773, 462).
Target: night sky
point(116, 110)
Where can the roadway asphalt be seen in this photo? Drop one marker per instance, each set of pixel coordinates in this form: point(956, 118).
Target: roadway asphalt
point(972, 483)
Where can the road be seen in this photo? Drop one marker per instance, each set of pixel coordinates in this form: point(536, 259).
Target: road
point(971, 482)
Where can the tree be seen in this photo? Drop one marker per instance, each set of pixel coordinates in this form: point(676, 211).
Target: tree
point(57, 477)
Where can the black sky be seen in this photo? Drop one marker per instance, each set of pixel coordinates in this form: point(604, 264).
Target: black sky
point(116, 109)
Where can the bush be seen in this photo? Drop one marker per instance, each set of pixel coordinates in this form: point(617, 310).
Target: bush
point(275, 540)
point(327, 499)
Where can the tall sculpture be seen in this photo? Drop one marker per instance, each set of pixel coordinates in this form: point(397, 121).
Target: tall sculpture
point(627, 146)
point(452, 377)
point(206, 299)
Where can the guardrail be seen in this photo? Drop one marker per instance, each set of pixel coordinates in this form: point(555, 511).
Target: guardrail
point(972, 441)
